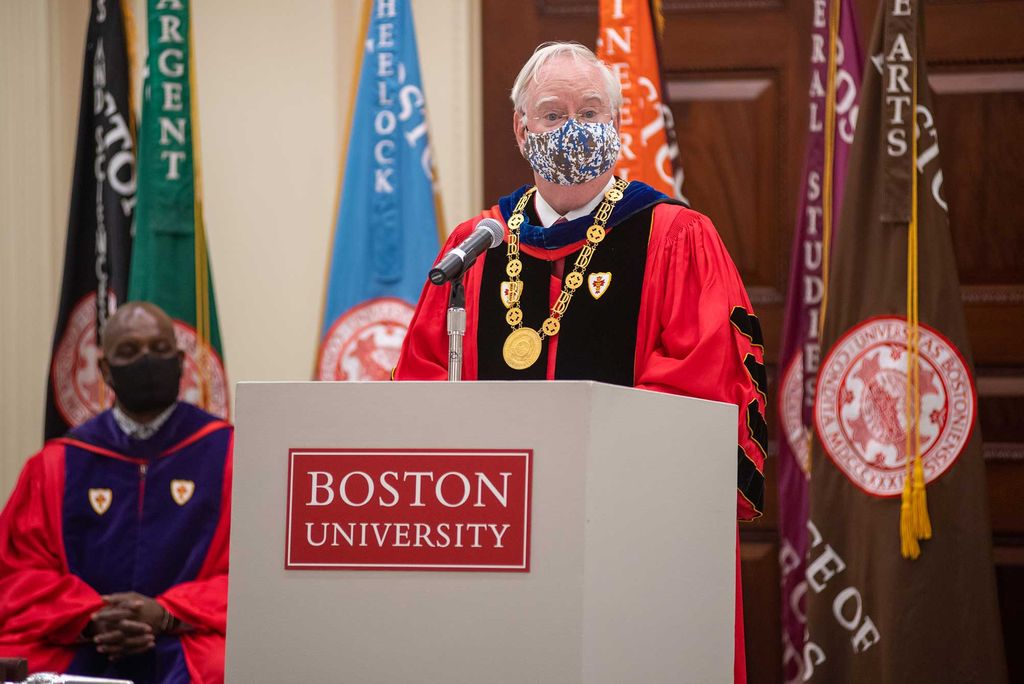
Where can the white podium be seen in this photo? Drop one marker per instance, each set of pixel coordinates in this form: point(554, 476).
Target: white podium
point(631, 539)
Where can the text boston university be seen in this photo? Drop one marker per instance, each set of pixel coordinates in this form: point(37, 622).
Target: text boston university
point(409, 509)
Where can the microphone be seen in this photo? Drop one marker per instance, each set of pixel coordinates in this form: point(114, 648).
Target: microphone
point(487, 234)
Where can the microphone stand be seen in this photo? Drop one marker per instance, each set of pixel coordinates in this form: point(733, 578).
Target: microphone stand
point(456, 328)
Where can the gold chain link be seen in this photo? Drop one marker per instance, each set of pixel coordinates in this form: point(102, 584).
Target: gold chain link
point(551, 325)
point(514, 317)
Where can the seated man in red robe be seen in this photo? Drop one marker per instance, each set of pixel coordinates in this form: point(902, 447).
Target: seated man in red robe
point(600, 278)
point(114, 543)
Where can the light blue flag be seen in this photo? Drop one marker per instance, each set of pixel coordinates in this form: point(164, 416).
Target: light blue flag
point(386, 236)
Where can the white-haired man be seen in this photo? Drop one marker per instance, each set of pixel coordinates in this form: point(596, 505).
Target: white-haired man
point(602, 279)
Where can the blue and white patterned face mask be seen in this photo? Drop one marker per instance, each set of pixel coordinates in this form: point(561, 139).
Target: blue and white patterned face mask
point(574, 153)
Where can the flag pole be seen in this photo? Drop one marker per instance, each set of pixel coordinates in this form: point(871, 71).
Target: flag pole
point(353, 92)
point(828, 171)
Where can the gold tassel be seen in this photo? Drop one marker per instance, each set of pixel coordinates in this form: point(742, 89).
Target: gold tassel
point(915, 523)
point(908, 539)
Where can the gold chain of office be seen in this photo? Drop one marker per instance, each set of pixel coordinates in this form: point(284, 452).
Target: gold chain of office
point(523, 345)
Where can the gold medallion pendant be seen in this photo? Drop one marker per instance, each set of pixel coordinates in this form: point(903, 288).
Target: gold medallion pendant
point(524, 344)
point(522, 348)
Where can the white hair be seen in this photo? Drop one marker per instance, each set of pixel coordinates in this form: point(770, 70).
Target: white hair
point(549, 51)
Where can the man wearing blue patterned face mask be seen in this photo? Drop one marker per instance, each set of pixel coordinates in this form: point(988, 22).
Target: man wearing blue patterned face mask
point(602, 278)
point(566, 145)
point(566, 119)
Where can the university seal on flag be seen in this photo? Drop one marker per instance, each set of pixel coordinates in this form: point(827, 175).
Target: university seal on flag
point(791, 410)
point(201, 364)
point(364, 343)
point(79, 390)
point(860, 411)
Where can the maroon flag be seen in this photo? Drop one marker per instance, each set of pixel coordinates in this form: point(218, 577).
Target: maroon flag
point(836, 64)
point(900, 585)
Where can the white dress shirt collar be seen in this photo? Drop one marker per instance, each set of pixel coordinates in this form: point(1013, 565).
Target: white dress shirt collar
point(137, 430)
point(547, 216)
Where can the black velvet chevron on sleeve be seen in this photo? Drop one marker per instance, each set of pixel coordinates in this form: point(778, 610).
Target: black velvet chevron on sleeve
point(748, 325)
point(749, 481)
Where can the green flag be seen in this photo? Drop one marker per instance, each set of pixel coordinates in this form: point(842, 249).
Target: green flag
point(170, 265)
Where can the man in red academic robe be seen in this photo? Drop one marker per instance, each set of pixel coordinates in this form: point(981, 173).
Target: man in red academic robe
point(600, 279)
point(114, 543)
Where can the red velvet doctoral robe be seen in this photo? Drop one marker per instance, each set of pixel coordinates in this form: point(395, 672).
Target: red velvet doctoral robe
point(696, 335)
point(96, 513)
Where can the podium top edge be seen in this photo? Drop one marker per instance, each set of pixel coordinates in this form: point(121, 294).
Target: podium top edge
point(483, 385)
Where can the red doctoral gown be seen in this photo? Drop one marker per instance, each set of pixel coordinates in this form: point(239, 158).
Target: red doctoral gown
point(696, 333)
point(97, 512)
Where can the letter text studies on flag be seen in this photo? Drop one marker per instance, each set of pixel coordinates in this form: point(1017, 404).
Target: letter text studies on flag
point(628, 44)
point(386, 234)
point(900, 582)
point(99, 243)
point(170, 263)
point(835, 67)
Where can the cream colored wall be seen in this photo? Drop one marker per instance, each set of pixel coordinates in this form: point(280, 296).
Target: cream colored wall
point(273, 82)
point(39, 45)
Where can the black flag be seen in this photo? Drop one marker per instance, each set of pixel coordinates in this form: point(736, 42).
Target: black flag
point(98, 246)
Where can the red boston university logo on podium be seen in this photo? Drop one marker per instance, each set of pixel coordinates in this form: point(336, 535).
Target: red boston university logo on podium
point(408, 509)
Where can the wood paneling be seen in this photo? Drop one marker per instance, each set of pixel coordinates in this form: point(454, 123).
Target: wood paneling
point(761, 577)
point(731, 121)
point(529, 25)
point(983, 185)
point(563, 7)
point(1004, 487)
point(736, 74)
point(979, 116)
point(1010, 579)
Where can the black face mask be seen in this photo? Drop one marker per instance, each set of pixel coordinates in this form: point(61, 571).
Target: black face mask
point(147, 384)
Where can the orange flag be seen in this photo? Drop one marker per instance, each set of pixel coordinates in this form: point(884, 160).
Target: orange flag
point(627, 42)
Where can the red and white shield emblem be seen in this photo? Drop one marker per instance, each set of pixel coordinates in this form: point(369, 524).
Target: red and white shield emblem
point(182, 491)
point(100, 499)
point(860, 413)
point(364, 343)
point(598, 283)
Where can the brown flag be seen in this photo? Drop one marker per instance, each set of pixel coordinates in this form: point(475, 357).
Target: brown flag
point(899, 581)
